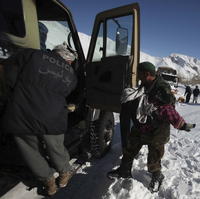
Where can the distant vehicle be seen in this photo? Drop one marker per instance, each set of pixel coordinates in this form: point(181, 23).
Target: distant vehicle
point(169, 74)
point(110, 66)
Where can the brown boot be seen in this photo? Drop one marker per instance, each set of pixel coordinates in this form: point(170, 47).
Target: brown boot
point(64, 178)
point(50, 186)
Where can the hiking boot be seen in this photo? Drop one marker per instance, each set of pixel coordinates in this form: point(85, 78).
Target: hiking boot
point(156, 181)
point(118, 173)
point(50, 186)
point(187, 126)
point(64, 178)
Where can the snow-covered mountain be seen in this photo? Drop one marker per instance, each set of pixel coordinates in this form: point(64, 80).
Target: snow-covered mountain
point(187, 67)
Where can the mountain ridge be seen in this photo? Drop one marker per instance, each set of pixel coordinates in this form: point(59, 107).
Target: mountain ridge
point(188, 67)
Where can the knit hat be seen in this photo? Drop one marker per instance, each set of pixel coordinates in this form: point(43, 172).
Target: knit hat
point(64, 51)
point(147, 66)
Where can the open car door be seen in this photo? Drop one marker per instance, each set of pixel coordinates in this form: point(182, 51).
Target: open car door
point(113, 57)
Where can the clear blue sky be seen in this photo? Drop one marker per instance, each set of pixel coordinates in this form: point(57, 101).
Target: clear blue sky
point(167, 26)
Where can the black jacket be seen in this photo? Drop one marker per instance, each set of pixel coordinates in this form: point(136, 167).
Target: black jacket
point(196, 92)
point(39, 82)
point(188, 90)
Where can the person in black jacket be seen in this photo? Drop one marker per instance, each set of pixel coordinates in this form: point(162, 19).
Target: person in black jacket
point(195, 94)
point(188, 93)
point(39, 82)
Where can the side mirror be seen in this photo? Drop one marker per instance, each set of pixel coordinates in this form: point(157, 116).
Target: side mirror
point(121, 41)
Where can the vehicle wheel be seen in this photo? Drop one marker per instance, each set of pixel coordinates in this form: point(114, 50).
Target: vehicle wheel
point(101, 134)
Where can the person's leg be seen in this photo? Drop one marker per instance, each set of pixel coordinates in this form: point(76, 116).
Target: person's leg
point(29, 147)
point(155, 155)
point(187, 98)
point(58, 154)
point(59, 157)
point(129, 153)
point(30, 150)
point(195, 99)
point(125, 121)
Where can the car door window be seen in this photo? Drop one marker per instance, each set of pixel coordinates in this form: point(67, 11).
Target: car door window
point(98, 51)
point(112, 57)
point(53, 33)
point(119, 30)
point(118, 38)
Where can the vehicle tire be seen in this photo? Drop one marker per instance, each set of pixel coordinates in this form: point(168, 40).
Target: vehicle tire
point(101, 134)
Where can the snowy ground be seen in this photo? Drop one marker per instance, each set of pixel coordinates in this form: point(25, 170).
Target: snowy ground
point(181, 167)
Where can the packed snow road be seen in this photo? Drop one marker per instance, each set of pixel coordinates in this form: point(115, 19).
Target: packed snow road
point(181, 167)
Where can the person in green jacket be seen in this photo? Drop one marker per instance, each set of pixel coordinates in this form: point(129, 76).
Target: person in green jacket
point(151, 109)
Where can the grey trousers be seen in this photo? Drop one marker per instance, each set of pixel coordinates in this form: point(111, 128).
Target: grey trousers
point(30, 147)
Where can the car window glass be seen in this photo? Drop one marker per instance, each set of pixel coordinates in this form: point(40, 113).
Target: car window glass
point(53, 33)
point(119, 30)
point(98, 51)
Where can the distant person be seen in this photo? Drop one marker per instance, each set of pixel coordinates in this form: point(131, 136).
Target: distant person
point(39, 83)
point(188, 93)
point(195, 92)
point(151, 110)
